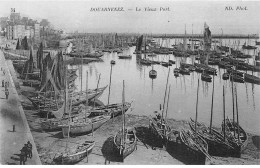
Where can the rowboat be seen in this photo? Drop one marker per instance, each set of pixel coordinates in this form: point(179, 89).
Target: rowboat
point(125, 140)
point(75, 154)
point(130, 142)
point(225, 76)
point(152, 74)
point(112, 62)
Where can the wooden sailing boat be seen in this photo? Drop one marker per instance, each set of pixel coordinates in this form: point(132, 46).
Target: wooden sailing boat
point(77, 153)
point(152, 73)
point(83, 125)
point(234, 133)
point(125, 140)
point(194, 146)
point(158, 125)
point(217, 145)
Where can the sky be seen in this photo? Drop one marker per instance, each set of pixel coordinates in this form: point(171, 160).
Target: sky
point(76, 15)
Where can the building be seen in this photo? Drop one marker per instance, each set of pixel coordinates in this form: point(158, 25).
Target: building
point(37, 31)
point(10, 31)
point(15, 31)
point(14, 17)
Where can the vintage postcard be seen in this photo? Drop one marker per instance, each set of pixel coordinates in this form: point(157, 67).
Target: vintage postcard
point(127, 82)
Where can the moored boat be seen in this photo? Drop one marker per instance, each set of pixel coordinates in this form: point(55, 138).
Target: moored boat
point(84, 126)
point(152, 74)
point(125, 56)
point(75, 154)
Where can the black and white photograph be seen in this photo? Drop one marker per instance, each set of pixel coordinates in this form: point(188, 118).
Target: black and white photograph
point(128, 82)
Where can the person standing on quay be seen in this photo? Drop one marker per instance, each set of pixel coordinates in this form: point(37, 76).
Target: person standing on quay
point(6, 93)
point(29, 146)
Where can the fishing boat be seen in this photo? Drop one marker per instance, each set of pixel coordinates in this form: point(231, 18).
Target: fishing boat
point(217, 146)
point(233, 131)
point(125, 140)
point(252, 79)
point(77, 97)
point(248, 47)
point(194, 147)
point(75, 154)
point(184, 71)
point(176, 72)
point(158, 126)
point(145, 62)
point(152, 74)
point(83, 125)
point(79, 152)
point(235, 72)
point(206, 77)
point(125, 56)
point(113, 62)
point(158, 123)
point(113, 110)
point(199, 69)
point(225, 76)
point(236, 78)
point(171, 61)
point(151, 55)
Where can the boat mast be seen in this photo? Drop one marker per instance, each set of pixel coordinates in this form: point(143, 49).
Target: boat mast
point(212, 100)
point(167, 108)
point(96, 90)
point(165, 95)
point(123, 122)
point(196, 118)
point(110, 78)
point(224, 113)
point(233, 103)
point(238, 129)
point(86, 96)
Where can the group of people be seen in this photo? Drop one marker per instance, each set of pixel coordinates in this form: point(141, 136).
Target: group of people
point(26, 152)
point(6, 85)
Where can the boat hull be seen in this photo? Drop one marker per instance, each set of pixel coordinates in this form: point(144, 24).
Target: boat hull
point(84, 128)
point(131, 144)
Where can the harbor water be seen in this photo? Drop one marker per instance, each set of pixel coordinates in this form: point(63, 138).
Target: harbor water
point(147, 94)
